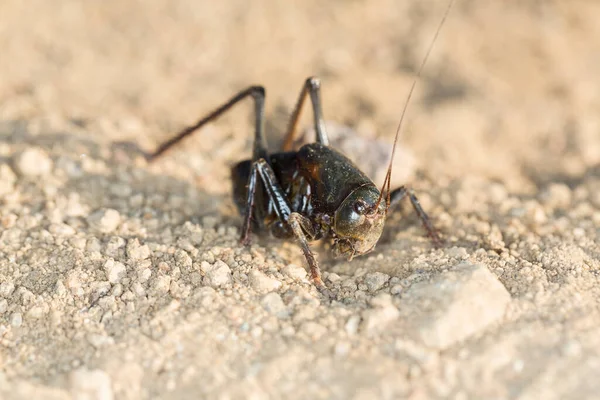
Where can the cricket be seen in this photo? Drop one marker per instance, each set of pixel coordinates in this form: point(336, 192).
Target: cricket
point(314, 192)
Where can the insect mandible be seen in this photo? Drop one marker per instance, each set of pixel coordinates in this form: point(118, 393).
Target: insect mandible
point(314, 192)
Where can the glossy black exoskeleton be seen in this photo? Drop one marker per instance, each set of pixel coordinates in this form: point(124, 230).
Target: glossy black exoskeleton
point(311, 193)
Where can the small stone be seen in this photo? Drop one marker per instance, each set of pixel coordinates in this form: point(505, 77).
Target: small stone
point(295, 272)
point(99, 341)
point(144, 274)
point(61, 230)
point(162, 284)
point(375, 281)
point(455, 305)
point(556, 195)
point(87, 384)
point(217, 274)
point(274, 305)
point(7, 179)
point(33, 162)
point(36, 312)
point(115, 271)
point(342, 348)
point(16, 319)
point(183, 259)
point(113, 246)
point(457, 252)
point(352, 324)
point(3, 306)
point(313, 330)
point(262, 283)
point(135, 251)
point(377, 319)
point(6, 288)
point(396, 289)
point(104, 220)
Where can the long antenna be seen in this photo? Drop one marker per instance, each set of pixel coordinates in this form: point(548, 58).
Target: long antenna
point(388, 176)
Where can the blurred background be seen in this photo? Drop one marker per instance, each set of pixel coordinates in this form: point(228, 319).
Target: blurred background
point(510, 93)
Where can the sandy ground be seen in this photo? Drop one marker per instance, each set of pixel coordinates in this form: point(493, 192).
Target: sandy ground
point(124, 280)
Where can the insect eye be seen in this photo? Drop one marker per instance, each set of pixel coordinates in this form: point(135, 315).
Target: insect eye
point(360, 207)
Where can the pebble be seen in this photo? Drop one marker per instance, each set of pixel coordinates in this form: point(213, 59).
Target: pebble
point(115, 271)
point(104, 220)
point(443, 308)
point(262, 283)
point(396, 289)
point(162, 284)
point(7, 179)
point(375, 320)
point(6, 288)
point(274, 305)
point(342, 348)
point(295, 272)
point(99, 341)
point(16, 319)
point(87, 384)
point(61, 230)
point(37, 312)
point(33, 162)
point(313, 330)
point(352, 324)
point(135, 251)
point(217, 274)
point(556, 195)
point(375, 281)
point(144, 274)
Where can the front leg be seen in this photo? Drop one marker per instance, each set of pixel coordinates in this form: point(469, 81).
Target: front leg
point(300, 225)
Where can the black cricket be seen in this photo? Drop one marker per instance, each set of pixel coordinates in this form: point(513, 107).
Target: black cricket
point(314, 192)
point(309, 194)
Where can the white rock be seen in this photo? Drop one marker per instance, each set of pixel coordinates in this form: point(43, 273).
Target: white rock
point(99, 341)
point(135, 251)
point(6, 288)
point(313, 330)
point(115, 271)
point(376, 280)
point(351, 326)
point(33, 162)
point(104, 220)
point(274, 305)
point(16, 319)
point(7, 179)
point(377, 319)
point(87, 384)
point(217, 274)
point(455, 305)
point(262, 283)
point(295, 272)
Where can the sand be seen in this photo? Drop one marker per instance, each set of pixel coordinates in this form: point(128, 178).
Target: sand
point(125, 280)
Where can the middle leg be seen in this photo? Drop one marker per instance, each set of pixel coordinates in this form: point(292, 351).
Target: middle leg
point(399, 194)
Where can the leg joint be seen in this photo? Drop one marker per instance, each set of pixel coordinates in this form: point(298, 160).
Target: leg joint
point(313, 82)
point(257, 92)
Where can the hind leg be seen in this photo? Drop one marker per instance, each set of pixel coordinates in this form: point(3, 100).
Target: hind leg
point(260, 144)
point(259, 150)
point(311, 87)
